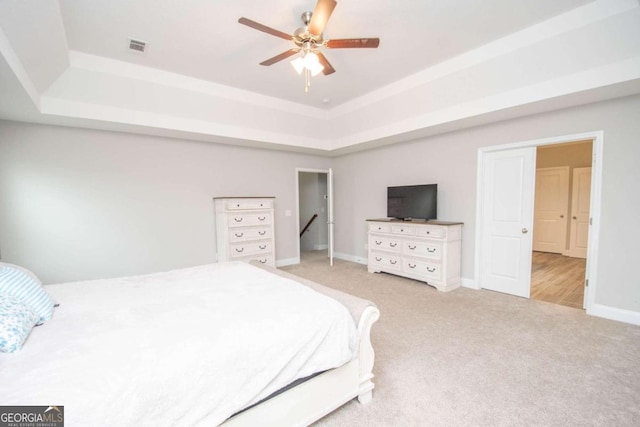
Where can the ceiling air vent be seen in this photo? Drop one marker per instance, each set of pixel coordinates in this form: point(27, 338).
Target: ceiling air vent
point(137, 45)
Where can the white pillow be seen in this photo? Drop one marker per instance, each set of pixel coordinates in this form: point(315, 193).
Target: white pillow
point(25, 286)
point(16, 322)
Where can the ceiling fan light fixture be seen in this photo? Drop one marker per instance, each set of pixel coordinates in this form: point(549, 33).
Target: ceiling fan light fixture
point(312, 63)
point(308, 62)
point(298, 64)
point(310, 42)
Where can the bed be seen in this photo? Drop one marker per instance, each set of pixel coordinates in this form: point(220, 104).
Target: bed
point(228, 344)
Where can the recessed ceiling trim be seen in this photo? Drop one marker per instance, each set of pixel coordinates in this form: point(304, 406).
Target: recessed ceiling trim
point(18, 69)
point(153, 75)
point(102, 113)
point(581, 82)
point(564, 23)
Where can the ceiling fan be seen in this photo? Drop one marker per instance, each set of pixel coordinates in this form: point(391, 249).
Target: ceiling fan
point(308, 40)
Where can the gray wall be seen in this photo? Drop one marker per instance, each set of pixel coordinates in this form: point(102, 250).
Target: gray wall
point(82, 204)
point(77, 204)
point(450, 160)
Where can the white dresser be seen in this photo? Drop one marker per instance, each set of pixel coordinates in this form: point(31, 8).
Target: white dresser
point(245, 229)
point(428, 251)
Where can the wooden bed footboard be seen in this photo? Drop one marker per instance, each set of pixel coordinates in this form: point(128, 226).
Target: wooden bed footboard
point(315, 398)
point(366, 354)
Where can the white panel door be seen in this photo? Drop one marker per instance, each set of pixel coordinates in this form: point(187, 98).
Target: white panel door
point(330, 213)
point(507, 219)
point(580, 202)
point(551, 210)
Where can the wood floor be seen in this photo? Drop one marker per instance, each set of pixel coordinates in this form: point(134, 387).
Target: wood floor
point(558, 279)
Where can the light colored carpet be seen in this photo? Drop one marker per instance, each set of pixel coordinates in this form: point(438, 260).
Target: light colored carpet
point(479, 358)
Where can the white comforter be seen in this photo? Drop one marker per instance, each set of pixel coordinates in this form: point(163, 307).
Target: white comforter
point(186, 347)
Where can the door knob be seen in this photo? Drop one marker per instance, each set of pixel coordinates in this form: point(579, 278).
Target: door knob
point(561, 216)
point(525, 231)
point(575, 217)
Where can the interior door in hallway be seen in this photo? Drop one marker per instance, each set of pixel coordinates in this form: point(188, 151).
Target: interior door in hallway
point(551, 209)
point(507, 217)
point(580, 203)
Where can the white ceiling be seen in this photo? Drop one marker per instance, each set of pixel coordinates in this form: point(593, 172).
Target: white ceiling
point(202, 38)
point(440, 65)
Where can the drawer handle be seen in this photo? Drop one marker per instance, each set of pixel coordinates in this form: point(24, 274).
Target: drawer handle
point(412, 247)
point(239, 234)
point(262, 218)
point(379, 228)
point(238, 219)
point(262, 246)
point(378, 258)
point(412, 265)
point(402, 230)
point(263, 261)
point(393, 245)
point(431, 250)
point(393, 262)
point(378, 242)
point(431, 269)
point(262, 233)
point(428, 232)
point(239, 250)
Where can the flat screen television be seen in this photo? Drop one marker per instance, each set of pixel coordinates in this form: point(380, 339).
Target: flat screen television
point(413, 202)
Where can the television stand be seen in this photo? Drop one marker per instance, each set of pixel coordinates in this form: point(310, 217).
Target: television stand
point(428, 251)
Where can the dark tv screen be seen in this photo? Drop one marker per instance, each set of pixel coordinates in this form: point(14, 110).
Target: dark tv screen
point(413, 202)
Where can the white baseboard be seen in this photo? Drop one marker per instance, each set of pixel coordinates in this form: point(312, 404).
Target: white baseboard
point(469, 283)
point(320, 247)
point(287, 261)
point(612, 313)
point(349, 257)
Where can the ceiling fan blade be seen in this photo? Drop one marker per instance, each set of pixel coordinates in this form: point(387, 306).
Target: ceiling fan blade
point(328, 68)
point(264, 28)
point(278, 58)
point(321, 15)
point(352, 43)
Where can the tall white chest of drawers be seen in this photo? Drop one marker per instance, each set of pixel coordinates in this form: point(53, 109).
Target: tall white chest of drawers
point(428, 251)
point(245, 229)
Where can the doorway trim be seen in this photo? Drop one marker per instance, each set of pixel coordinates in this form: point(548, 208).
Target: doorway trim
point(597, 138)
point(297, 183)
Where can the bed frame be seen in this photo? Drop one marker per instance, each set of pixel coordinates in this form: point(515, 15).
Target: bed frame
point(322, 394)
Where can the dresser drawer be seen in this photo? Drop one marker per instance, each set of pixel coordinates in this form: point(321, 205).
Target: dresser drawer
point(249, 219)
point(403, 229)
point(244, 234)
point(430, 271)
point(377, 227)
point(240, 250)
point(385, 244)
point(385, 261)
point(248, 204)
point(266, 259)
point(433, 232)
point(431, 250)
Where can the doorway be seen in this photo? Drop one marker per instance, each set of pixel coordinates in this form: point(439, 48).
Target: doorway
point(561, 223)
point(504, 215)
point(314, 195)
